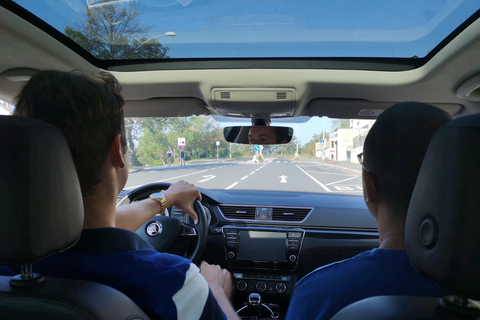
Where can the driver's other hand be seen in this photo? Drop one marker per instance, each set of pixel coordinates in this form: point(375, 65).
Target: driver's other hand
point(217, 278)
point(182, 194)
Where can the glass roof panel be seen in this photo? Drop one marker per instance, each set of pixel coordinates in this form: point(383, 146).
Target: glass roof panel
point(124, 29)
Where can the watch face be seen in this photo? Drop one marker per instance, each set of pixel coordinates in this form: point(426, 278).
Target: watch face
point(157, 195)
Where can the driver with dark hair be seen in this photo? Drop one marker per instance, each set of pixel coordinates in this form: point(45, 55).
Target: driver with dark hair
point(393, 153)
point(88, 109)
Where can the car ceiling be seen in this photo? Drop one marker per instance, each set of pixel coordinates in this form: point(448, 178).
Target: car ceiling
point(448, 79)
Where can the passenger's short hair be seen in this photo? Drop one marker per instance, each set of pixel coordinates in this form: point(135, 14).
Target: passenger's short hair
point(87, 108)
point(395, 147)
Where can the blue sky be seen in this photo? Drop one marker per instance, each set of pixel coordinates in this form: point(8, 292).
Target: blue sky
point(281, 28)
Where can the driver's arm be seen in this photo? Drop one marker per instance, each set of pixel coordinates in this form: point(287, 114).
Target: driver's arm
point(220, 282)
point(180, 194)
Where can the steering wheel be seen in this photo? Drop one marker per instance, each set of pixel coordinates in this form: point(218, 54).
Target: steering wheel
point(161, 232)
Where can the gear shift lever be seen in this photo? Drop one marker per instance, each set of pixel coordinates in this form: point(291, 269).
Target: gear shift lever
point(254, 305)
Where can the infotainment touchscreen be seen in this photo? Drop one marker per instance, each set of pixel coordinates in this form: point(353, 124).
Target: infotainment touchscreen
point(262, 246)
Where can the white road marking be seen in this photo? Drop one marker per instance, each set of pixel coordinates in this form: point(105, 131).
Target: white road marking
point(230, 187)
point(173, 178)
point(344, 188)
point(283, 179)
point(329, 184)
point(208, 177)
point(318, 182)
point(245, 177)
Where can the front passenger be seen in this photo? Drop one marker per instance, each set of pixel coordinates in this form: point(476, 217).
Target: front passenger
point(393, 153)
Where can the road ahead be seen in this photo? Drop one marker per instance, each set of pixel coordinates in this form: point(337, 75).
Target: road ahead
point(277, 174)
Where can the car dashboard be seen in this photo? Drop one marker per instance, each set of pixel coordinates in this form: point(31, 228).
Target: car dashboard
point(268, 240)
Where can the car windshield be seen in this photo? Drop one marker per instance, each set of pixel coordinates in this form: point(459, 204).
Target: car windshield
point(179, 29)
point(317, 160)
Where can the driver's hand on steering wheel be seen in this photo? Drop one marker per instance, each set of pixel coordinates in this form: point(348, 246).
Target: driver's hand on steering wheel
point(182, 194)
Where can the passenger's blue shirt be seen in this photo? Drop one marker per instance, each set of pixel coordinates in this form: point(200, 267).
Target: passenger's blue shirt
point(328, 289)
point(165, 286)
point(5, 271)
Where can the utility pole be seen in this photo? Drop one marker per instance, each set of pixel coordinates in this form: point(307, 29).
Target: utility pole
point(323, 146)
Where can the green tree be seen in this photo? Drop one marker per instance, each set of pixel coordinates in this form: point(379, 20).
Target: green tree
point(200, 133)
point(111, 32)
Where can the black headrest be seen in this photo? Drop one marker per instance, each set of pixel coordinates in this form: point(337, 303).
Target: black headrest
point(442, 234)
point(41, 207)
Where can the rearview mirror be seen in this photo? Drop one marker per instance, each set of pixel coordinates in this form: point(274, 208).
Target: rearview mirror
point(258, 134)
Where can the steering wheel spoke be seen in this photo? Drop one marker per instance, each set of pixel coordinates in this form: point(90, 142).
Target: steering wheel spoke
point(162, 232)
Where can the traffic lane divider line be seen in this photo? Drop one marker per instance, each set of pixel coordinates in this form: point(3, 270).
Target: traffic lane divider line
point(315, 180)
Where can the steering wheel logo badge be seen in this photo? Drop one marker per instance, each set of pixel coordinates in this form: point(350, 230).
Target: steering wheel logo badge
point(154, 229)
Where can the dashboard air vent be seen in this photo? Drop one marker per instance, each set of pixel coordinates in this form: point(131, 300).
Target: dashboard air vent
point(238, 212)
point(290, 214)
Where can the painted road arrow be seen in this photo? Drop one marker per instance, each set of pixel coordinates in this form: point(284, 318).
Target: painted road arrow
point(283, 179)
point(208, 177)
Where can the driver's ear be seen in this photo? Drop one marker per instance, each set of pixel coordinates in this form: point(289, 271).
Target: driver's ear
point(370, 192)
point(116, 154)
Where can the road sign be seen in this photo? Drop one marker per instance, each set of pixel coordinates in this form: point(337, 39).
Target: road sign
point(180, 148)
point(296, 141)
point(322, 141)
point(218, 143)
point(181, 141)
point(257, 148)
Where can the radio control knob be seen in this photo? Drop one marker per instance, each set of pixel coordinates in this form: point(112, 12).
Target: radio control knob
point(292, 258)
point(231, 255)
point(241, 285)
point(281, 287)
point(261, 286)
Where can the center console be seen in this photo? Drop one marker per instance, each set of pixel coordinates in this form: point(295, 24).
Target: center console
point(262, 261)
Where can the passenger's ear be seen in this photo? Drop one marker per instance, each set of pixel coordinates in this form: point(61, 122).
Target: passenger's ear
point(116, 152)
point(370, 192)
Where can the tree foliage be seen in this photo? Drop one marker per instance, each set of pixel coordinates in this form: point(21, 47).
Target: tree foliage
point(112, 32)
point(159, 134)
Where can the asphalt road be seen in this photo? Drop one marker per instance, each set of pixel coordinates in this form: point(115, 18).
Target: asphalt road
point(277, 174)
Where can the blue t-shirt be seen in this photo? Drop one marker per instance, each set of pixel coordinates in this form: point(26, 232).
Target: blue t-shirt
point(163, 285)
point(5, 271)
point(328, 289)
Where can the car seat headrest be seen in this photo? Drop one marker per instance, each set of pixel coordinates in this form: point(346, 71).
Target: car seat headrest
point(41, 207)
point(442, 229)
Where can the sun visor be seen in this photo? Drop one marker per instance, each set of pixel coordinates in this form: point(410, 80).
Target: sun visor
point(165, 107)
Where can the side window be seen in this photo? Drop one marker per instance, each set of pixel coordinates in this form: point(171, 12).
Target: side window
point(6, 109)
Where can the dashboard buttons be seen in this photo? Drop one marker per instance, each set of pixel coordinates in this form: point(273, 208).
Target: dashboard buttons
point(261, 286)
point(231, 255)
point(292, 258)
point(241, 285)
point(281, 287)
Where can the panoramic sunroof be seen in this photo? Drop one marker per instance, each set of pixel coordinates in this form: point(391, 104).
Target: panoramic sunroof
point(139, 29)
